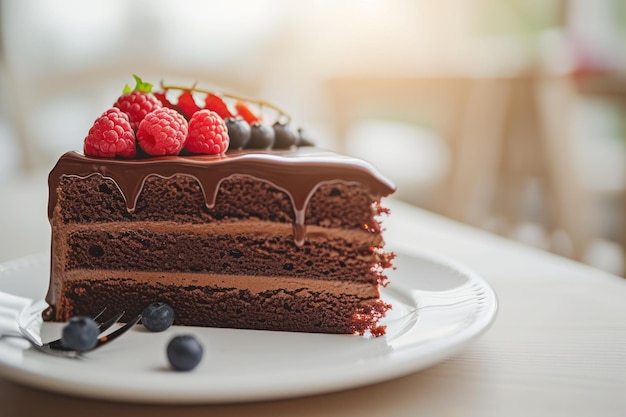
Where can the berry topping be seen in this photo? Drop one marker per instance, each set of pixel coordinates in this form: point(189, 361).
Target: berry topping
point(157, 317)
point(207, 133)
point(187, 104)
point(184, 352)
point(80, 333)
point(238, 132)
point(162, 132)
point(140, 85)
point(138, 102)
point(285, 137)
point(244, 111)
point(303, 139)
point(111, 135)
point(216, 104)
point(143, 124)
point(261, 136)
point(162, 97)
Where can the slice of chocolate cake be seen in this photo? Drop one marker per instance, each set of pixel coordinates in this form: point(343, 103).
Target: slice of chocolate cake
point(278, 240)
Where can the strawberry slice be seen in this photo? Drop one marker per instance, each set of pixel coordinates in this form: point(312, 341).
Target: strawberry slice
point(216, 104)
point(163, 99)
point(187, 104)
point(244, 111)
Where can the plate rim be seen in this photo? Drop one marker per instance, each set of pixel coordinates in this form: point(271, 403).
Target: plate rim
point(403, 362)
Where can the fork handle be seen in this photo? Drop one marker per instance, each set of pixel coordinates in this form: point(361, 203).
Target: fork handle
point(11, 307)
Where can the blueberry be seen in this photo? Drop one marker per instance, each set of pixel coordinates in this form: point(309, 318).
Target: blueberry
point(184, 352)
point(285, 136)
point(157, 317)
point(261, 136)
point(80, 333)
point(303, 139)
point(238, 132)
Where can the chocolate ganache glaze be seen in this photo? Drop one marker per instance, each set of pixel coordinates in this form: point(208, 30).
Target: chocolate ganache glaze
point(297, 172)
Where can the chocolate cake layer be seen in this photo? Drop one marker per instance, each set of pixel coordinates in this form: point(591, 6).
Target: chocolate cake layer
point(180, 199)
point(299, 173)
point(239, 248)
point(250, 302)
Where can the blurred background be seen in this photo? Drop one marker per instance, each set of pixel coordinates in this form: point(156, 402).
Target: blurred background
point(504, 114)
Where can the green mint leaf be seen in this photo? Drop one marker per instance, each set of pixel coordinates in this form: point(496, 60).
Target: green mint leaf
point(142, 86)
point(126, 89)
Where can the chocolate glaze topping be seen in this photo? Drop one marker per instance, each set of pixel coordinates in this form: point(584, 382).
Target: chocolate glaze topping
point(298, 172)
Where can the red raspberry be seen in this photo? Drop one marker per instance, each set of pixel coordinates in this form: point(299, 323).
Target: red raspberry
point(111, 135)
point(162, 132)
point(207, 133)
point(137, 104)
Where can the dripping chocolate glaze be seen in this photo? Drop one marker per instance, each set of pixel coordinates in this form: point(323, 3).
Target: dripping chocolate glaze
point(297, 172)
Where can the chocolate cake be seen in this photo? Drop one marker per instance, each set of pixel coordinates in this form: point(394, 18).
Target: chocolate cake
point(256, 239)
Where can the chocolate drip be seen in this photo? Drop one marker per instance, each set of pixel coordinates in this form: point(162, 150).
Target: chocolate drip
point(296, 172)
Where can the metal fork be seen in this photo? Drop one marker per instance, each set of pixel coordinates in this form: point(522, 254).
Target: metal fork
point(22, 317)
point(56, 347)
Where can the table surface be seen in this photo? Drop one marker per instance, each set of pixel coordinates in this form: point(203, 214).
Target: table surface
point(557, 348)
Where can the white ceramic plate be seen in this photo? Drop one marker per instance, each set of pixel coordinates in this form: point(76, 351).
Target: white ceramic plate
point(438, 307)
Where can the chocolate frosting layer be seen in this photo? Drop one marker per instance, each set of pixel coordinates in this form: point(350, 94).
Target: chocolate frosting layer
point(297, 172)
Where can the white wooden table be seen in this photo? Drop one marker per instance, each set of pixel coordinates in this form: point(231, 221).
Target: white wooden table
point(557, 348)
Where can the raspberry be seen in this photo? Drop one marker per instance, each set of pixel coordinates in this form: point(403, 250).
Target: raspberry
point(162, 132)
point(137, 104)
point(207, 133)
point(111, 135)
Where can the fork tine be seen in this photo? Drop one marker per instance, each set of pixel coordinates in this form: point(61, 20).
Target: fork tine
point(57, 348)
point(102, 326)
point(114, 335)
point(110, 322)
point(98, 314)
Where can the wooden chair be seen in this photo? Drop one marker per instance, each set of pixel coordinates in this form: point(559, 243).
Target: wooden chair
point(501, 132)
